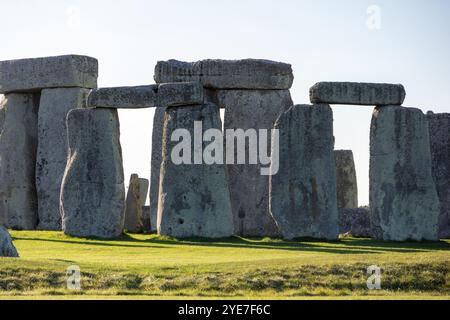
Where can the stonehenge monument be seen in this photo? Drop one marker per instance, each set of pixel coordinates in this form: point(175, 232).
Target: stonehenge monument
point(194, 199)
point(61, 162)
point(7, 248)
point(254, 94)
point(346, 184)
point(93, 190)
point(404, 204)
point(439, 126)
point(303, 193)
point(33, 145)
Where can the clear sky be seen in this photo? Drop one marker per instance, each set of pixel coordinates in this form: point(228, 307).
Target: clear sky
point(398, 41)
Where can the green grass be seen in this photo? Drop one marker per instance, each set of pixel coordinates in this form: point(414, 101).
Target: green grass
point(146, 266)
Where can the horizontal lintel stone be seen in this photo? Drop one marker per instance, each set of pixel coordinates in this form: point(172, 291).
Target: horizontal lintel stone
point(354, 93)
point(151, 96)
point(254, 74)
point(27, 75)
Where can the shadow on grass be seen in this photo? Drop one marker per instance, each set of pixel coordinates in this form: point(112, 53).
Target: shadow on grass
point(345, 246)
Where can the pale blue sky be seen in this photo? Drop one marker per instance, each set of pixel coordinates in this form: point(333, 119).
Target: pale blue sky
point(322, 39)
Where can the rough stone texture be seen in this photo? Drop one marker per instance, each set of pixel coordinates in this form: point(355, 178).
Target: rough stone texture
point(49, 72)
point(133, 212)
point(372, 94)
point(18, 144)
point(439, 125)
point(228, 74)
point(149, 226)
point(157, 135)
point(346, 184)
point(143, 191)
point(303, 193)
point(251, 109)
point(124, 97)
point(93, 191)
point(7, 248)
point(403, 200)
point(355, 222)
point(193, 198)
point(52, 150)
point(165, 94)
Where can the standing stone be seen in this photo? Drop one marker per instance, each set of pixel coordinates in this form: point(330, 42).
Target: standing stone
point(7, 248)
point(249, 189)
point(404, 204)
point(52, 150)
point(355, 222)
point(148, 225)
point(347, 187)
point(303, 191)
point(93, 191)
point(440, 155)
point(49, 72)
point(143, 191)
point(157, 136)
point(18, 144)
point(133, 212)
point(370, 94)
point(193, 198)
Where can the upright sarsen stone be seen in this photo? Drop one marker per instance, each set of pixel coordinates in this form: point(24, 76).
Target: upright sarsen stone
point(93, 191)
point(249, 189)
point(143, 191)
point(439, 125)
point(156, 158)
point(18, 144)
point(404, 204)
point(133, 212)
point(347, 187)
point(303, 192)
point(52, 150)
point(7, 248)
point(193, 198)
point(26, 75)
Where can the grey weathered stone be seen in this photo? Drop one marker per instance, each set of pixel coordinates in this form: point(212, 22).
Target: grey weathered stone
point(179, 94)
point(303, 192)
point(193, 198)
point(133, 212)
point(228, 74)
point(403, 200)
point(249, 189)
point(372, 94)
point(439, 125)
point(93, 191)
point(143, 191)
point(49, 72)
point(146, 223)
point(166, 95)
point(157, 136)
point(7, 248)
point(346, 184)
point(18, 144)
point(52, 150)
point(124, 97)
point(355, 222)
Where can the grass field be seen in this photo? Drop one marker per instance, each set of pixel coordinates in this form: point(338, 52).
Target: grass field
point(145, 266)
